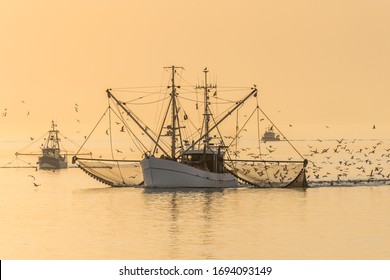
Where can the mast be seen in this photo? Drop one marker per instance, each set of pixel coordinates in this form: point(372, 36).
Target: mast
point(206, 114)
point(173, 98)
point(174, 124)
point(52, 141)
point(238, 104)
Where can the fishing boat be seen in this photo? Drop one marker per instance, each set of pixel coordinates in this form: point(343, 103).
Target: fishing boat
point(199, 160)
point(270, 135)
point(51, 157)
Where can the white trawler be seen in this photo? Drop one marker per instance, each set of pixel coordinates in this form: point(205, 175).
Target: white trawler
point(200, 160)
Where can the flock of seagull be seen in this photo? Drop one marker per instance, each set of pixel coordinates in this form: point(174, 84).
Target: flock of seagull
point(353, 161)
point(332, 162)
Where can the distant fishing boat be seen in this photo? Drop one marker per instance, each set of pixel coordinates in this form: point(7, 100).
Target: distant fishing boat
point(51, 157)
point(270, 135)
point(199, 159)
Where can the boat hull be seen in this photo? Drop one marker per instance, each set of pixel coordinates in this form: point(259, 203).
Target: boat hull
point(46, 162)
point(169, 174)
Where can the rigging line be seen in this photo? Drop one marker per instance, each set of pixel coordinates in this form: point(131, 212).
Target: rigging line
point(111, 144)
point(136, 120)
point(243, 88)
point(178, 122)
point(258, 139)
point(225, 100)
point(232, 90)
point(17, 159)
point(145, 103)
point(202, 102)
point(161, 128)
point(184, 90)
point(140, 97)
point(219, 132)
point(258, 125)
point(158, 113)
point(146, 128)
point(254, 91)
point(238, 133)
point(189, 133)
point(110, 130)
point(124, 88)
point(29, 163)
point(288, 141)
point(70, 140)
point(129, 131)
point(181, 76)
point(236, 137)
point(31, 143)
point(138, 91)
point(92, 131)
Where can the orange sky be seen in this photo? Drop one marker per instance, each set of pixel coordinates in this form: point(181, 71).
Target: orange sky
point(317, 62)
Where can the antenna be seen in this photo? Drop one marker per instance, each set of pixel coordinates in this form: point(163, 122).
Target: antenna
point(206, 115)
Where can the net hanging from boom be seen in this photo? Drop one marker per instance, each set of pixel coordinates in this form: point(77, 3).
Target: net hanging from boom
point(256, 152)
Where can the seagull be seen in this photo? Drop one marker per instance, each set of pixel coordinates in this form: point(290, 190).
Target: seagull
point(32, 138)
point(31, 176)
point(118, 151)
point(36, 185)
point(123, 128)
point(373, 127)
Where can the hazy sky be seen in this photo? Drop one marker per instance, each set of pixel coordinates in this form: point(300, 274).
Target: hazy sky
point(316, 63)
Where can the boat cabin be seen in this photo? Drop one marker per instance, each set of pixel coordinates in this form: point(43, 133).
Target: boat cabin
point(51, 152)
point(209, 160)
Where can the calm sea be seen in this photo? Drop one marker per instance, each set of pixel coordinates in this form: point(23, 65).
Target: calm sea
point(72, 216)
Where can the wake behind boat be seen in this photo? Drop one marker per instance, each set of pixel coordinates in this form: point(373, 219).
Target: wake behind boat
point(198, 159)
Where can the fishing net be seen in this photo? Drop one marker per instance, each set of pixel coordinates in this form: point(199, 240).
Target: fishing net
point(274, 174)
point(124, 173)
point(184, 121)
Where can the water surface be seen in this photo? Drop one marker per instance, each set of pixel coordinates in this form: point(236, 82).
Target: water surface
point(71, 216)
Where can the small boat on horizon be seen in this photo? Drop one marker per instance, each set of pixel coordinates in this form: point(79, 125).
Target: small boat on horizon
point(51, 157)
point(270, 135)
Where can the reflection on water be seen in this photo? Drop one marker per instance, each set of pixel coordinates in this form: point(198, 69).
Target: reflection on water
point(70, 216)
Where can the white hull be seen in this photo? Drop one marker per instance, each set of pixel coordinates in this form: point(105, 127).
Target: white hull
point(167, 173)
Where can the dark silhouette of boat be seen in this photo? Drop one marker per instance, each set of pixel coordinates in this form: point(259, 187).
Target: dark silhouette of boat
point(270, 135)
point(51, 157)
